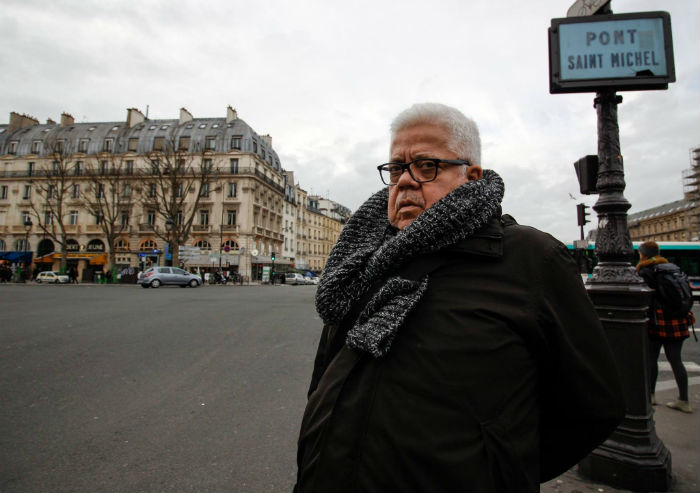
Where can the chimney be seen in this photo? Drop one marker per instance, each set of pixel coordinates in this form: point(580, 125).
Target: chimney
point(67, 120)
point(18, 121)
point(268, 140)
point(231, 115)
point(185, 116)
point(134, 117)
point(49, 121)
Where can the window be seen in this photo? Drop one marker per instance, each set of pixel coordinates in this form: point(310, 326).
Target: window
point(30, 169)
point(48, 218)
point(25, 216)
point(13, 147)
point(231, 217)
point(229, 243)
point(211, 143)
point(22, 246)
point(203, 244)
point(151, 190)
point(147, 246)
point(77, 171)
point(151, 217)
point(234, 166)
point(75, 192)
point(73, 218)
point(178, 218)
point(51, 192)
point(122, 245)
point(103, 167)
point(158, 144)
point(178, 192)
point(107, 145)
point(203, 125)
point(133, 142)
point(3, 192)
point(55, 168)
point(232, 189)
point(154, 166)
point(100, 191)
point(152, 127)
point(36, 147)
point(27, 192)
point(204, 216)
point(125, 218)
point(99, 217)
point(255, 147)
point(204, 190)
point(58, 148)
point(83, 145)
point(236, 142)
point(207, 165)
point(184, 143)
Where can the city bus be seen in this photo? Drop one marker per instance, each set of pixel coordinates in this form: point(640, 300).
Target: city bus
point(685, 254)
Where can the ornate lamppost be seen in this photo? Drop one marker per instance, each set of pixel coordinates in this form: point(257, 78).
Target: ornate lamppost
point(27, 229)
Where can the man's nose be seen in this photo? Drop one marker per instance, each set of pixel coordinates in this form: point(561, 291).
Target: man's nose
point(406, 180)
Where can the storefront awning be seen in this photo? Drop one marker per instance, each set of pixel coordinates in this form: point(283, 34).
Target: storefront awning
point(99, 260)
point(16, 257)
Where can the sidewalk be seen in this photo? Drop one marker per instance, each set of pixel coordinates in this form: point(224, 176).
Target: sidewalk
point(679, 431)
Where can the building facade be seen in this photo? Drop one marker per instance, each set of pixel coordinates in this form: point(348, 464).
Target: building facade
point(231, 196)
point(674, 221)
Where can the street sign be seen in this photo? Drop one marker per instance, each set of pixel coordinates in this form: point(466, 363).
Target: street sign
point(624, 52)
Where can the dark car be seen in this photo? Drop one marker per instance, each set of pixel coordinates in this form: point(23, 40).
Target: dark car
point(163, 276)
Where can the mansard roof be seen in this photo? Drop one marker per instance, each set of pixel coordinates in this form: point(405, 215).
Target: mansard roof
point(197, 129)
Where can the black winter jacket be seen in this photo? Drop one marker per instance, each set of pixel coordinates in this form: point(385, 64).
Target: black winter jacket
point(500, 378)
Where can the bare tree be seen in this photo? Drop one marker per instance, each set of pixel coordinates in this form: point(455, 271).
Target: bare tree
point(53, 186)
point(109, 194)
point(173, 173)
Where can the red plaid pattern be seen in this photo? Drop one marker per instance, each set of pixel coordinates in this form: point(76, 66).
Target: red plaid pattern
point(669, 328)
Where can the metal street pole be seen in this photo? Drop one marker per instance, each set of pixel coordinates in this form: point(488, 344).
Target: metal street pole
point(633, 457)
point(27, 228)
point(221, 232)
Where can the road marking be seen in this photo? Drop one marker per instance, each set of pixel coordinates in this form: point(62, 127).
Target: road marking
point(689, 366)
point(671, 384)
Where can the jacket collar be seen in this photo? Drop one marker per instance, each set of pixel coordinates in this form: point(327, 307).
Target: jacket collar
point(488, 241)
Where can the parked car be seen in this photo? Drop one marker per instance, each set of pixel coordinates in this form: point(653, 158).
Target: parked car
point(54, 277)
point(311, 280)
point(163, 276)
point(294, 278)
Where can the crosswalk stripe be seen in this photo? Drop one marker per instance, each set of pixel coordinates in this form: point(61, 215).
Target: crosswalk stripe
point(689, 366)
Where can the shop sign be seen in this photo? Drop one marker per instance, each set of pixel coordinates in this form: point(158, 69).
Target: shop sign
point(621, 52)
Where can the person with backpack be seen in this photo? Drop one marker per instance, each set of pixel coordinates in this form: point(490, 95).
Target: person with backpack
point(669, 318)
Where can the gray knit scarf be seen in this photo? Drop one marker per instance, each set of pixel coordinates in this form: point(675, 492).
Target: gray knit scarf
point(370, 251)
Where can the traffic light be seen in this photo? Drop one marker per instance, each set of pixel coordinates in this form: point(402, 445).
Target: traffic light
point(587, 174)
point(582, 214)
point(272, 256)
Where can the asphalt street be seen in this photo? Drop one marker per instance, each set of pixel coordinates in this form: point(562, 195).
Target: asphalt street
point(120, 389)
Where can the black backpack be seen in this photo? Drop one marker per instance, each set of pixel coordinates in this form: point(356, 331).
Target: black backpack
point(672, 290)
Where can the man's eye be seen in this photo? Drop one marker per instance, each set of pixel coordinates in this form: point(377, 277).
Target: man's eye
point(425, 165)
point(394, 168)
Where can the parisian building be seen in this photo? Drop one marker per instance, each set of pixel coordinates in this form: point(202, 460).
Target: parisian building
point(674, 221)
point(244, 208)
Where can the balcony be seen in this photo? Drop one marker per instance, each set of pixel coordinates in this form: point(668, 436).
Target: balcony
point(145, 227)
point(201, 228)
point(93, 228)
point(230, 228)
point(72, 228)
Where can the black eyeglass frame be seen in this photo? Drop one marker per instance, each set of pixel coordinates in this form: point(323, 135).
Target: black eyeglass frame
point(407, 167)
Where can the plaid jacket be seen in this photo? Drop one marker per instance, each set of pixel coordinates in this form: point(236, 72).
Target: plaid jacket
point(669, 328)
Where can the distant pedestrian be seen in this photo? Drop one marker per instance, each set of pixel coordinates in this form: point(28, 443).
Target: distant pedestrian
point(664, 330)
point(73, 275)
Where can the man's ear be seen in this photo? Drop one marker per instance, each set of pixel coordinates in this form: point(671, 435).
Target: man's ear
point(474, 172)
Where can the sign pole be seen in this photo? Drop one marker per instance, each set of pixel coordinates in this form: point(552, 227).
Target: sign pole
point(633, 457)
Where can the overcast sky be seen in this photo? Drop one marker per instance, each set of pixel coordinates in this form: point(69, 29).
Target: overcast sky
point(324, 78)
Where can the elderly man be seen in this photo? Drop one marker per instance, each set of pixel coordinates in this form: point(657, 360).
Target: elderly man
point(460, 351)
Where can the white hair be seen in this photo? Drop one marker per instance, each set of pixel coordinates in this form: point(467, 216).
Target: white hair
point(464, 134)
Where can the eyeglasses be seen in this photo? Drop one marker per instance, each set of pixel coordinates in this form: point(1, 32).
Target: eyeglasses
point(421, 170)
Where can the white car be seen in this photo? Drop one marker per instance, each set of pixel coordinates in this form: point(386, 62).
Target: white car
point(294, 278)
point(52, 277)
point(311, 280)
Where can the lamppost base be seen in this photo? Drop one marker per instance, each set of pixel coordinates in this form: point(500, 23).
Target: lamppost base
point(633, 457)
point(633, 466)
